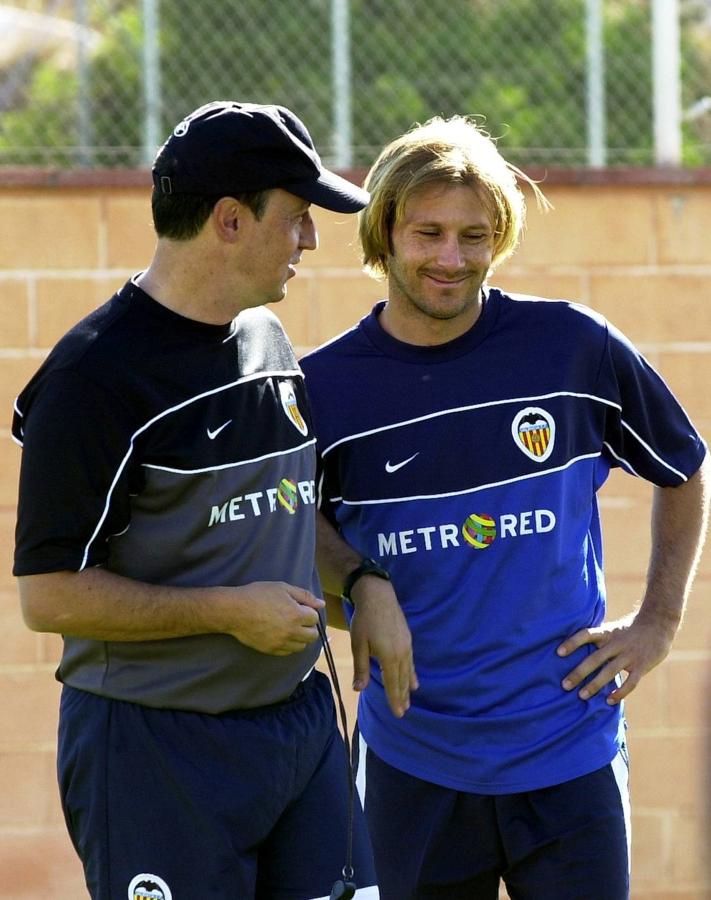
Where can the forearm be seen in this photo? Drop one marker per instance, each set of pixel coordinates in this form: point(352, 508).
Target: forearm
point(335, 558)
point(101, 605)
point(679, 523)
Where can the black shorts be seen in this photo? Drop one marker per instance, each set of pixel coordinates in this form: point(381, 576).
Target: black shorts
point(174, 805)
point(567, 842)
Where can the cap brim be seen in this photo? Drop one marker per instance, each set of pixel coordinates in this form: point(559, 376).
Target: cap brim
point(330, 191)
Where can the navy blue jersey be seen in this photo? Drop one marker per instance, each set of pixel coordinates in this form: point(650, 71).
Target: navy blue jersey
point(470, 471)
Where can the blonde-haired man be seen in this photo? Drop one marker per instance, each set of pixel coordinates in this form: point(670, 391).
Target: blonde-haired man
point(463, 435)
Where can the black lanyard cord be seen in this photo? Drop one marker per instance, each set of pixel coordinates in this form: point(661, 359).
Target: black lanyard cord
point(342, 890)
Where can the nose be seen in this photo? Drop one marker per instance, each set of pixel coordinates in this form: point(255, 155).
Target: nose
point(308, 236)
point(449, 253)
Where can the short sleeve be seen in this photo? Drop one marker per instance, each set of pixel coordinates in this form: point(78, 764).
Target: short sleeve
point(647, 431)
point(75, 474)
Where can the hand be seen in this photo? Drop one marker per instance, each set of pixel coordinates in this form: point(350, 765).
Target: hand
point(634, 645)
point(274, 617)
point(379, 630)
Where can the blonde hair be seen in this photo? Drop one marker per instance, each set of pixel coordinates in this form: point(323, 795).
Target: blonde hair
point(446, 151)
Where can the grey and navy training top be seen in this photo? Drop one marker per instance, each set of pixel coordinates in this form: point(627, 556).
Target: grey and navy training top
point(177, 453)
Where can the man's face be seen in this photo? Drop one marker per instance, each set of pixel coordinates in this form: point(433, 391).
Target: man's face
point(441, 253)
point(271, 247)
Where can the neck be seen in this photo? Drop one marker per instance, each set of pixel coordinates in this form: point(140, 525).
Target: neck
point(183, 277)
point(407, 323)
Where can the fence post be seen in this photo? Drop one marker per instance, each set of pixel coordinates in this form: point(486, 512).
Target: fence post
point(84, 121)
point(341, 73)
point(595, 51)
point(151, 80)
point(666, 81)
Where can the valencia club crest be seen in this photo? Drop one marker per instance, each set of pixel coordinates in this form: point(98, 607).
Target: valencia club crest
point(533, 431)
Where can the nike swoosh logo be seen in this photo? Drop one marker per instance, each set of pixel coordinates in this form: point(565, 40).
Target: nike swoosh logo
point(213, 434)
point(393, 467)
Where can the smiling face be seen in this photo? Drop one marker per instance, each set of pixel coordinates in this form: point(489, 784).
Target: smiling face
point(442, 249)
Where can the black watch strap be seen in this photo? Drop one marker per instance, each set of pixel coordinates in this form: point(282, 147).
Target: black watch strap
point(367, 567)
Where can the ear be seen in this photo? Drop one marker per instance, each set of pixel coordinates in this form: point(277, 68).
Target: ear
point(227, 216)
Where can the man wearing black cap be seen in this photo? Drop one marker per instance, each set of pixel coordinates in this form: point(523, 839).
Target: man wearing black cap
point(166, 530)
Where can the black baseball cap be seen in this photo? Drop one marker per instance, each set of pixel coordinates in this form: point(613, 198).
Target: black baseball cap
point(226, 148)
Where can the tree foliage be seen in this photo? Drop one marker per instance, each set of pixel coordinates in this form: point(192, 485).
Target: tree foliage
point(519, 64)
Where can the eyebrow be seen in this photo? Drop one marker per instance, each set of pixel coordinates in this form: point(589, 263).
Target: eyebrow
point(435, 223)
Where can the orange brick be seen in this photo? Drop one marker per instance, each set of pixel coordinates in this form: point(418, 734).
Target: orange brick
point(51, 230)
point(14, 324)
point(695, 631)
point(10, 455)
point(28, 789)
point(645, 707)
point(668, 771)
point(689, 860)
point(626, 538)
point(30, 705)
point(655, 307)
point(517, 280)
point(650, 849)
point(339, 303)
point(129, 229)
point(20, 645)
point(50, 648)
point(7, 542)
point(624, 592)
point(14, 375)
point(40, 863)
point(294, 311)
point(586, 228)
point(688, 691)
point(683, 217)
point(689, 376)
point(338, 242)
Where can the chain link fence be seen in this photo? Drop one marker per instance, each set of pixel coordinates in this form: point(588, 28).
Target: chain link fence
point(102, 82)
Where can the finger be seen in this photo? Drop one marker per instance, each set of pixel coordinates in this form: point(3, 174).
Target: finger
point(306, 598)
point(582, 671)
point(579, 639)
point(307, 635)
point(361, 663)
point(397, 692)
point(607, 674)
point(307, 617)
point(414, 681)
point(619, 694)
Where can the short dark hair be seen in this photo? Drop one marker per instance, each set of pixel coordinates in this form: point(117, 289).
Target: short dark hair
point(181, 217)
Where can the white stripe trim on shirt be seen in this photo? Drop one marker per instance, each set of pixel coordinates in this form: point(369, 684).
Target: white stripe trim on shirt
point(540, 397)
point(232, 465)
point(460, 409)
point(122, 465)
point(474, 490)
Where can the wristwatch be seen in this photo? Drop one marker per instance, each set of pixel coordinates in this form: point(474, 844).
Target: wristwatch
point(367, 566)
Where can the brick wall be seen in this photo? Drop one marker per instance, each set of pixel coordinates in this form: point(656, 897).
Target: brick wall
point(638, 251)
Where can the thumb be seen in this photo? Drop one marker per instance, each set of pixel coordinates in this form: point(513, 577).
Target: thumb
point(306, 598)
